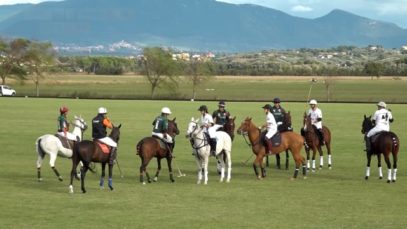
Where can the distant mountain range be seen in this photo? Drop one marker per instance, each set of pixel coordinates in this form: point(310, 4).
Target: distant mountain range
point(191, 25)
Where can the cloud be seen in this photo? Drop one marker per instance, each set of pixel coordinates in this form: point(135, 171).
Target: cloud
point(301, 8)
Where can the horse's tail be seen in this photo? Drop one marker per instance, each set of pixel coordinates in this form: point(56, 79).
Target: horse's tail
point(39, 149)
point(395, 143)
point(139, 145)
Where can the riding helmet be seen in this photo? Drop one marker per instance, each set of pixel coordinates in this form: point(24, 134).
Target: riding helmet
point(382, 104)
point(222, 104)
point(102, 110)
point(313, 102)
point(63, 109)
point(203, 108)
point(267, 106)
point(166, 110)
point(276, 100)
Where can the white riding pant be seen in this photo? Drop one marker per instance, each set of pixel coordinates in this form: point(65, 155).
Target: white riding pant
point(271, 131)
point(377, 129)
point(68, 135)
point(161, 136)
point(108, 141)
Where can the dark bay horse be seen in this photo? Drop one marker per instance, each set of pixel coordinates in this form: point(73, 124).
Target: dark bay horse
point(289, 141)
point(313, 143)
point(89, 151)
point(229, 127)
point(382, 143)
point(150, 147)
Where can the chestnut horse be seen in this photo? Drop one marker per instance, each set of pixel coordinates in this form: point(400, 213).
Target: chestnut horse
point(150, 147)
point(289, 141)
point(89, 151)
point(312, 142)
point(383, 143)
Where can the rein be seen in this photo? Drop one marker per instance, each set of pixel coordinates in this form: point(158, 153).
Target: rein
point(204, 142)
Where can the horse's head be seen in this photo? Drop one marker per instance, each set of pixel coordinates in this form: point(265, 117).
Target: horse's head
point(173, 128)
point(230, 127)
point(307, 122)
point(193, 128)
point(80, 123)
point(366, 124)
point(286, 122)
point(115, 133)
point(245, 126)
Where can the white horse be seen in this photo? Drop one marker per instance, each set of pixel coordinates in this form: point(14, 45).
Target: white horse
point(50, 144)
point(202, 151)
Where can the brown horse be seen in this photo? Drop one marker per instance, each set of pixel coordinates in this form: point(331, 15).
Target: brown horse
point(229, 127)
point(312, 142)
point(90, 151)
point(382, 143)
point(150, 147)
point(289, 141)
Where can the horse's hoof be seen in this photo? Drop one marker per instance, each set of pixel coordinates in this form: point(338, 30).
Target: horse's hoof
point(227, 181)
point(101, 187)
point(320, 168)
point(155, 179)
point(144, 183)
point(83, 191)
point(394, 181)
point(313, 170)
point(149, 181)
point(388, 181)
point(198, 182)
point(70, 189)
point(60, 178)
point(380, 178)
point(292, 178)
point(111, 188)
point(366, 177)
point(259, 178)
point(39, 179)
point(305, 178)
point(172, 180)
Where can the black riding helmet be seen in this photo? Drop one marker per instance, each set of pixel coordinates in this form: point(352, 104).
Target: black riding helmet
point(222, 104)
point(267, 106)
point(203, 108)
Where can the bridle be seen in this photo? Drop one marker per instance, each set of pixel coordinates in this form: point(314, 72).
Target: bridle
point(203, 141)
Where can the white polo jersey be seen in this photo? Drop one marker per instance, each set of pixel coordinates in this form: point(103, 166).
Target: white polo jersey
point(315, 114)
point(271, 125)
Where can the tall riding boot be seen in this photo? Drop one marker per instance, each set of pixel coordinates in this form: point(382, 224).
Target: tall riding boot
point(112, 155)
point(170, 149)
point(269, 146)
point(213, 146)
point(368, 144)
point(321, 137)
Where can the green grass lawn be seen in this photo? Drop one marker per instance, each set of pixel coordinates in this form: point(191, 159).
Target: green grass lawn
point(337, 198)
point(344, 89)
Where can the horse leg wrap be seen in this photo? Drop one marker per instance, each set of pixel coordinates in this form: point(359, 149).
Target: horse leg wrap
point(329, 160)
point(101, 182)
point(110, 182)
point(380, 173)
point(296, 173)
point(321, 161)
point(388, 175)
point(394, 175)
point(367, 173)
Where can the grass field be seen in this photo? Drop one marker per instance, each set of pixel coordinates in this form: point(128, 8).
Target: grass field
point(242, 88)
point(337, 198)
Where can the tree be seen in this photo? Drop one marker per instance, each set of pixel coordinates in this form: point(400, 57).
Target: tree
point(12, 58)
point(373, 69)
point(39, 58)
point(159, 68)
point(199, 71)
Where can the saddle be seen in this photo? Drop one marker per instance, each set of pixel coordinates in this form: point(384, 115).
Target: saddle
point(105, 148)
point(275, 140)
point(68, 144)
point(163, 145)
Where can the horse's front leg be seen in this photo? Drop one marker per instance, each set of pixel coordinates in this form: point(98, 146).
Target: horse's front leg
point(307, 152)
point(394, 167)
point(84, 169)
point(169, 159)
point(200, 166)
point(379, 165)
point(39, 164)
point(321, 157)
point(278, 164)
point(102, 176)
point(369, 158)
point(75, 163)
point(222, 166)
point(287, 157)
point(229, 164)
point(155, 179)
point(258, 162)
point(314, 152)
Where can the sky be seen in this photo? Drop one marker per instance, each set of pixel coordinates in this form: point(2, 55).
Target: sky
point(394, 11)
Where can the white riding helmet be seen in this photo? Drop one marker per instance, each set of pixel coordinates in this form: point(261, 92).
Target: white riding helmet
point(102, 110)
point(166, 110)
point(382, 104)
point(313, 102)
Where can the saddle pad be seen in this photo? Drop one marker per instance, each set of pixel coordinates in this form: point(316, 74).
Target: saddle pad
point(105, 148)
point(65, 142)
point(276, 139)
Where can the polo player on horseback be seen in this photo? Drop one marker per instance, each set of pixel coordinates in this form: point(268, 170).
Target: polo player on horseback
point(63, 124)
point(316, 119)
point(271, 126)
point(209, 127)
point(160, 128)
point(279, 114)
point(381, 121)
point(99, 125)
point(221, 115)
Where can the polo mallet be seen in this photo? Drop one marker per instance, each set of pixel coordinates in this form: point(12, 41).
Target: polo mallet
point(245, 163)
point(180, 174)
point(118, 166)
point(313, 80)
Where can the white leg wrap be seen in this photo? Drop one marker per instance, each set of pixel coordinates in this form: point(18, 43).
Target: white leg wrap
point(308, 164)
point(368, 171)
point(321, 161)
point(380, 172)
point(394, 174)
point(329, 159)
point(388, 174)
point(313, 164)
